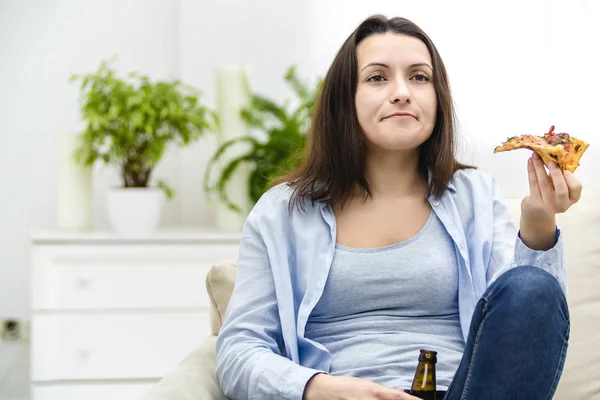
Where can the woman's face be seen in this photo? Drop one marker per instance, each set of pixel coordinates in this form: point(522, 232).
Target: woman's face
point(395, 98)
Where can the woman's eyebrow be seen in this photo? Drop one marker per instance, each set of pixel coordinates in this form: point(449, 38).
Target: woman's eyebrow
point(379, 64)
point(421, 64)
point(375, 64)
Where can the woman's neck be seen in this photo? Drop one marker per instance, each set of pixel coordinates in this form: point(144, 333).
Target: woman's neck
point(395, 174)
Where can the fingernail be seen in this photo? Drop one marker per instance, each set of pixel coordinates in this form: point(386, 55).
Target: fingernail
point(553, 165)
point(535, 156)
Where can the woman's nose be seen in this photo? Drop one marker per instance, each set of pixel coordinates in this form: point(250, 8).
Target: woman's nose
point(400, 93)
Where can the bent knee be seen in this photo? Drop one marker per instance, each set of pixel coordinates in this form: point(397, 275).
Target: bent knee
point(530, 284)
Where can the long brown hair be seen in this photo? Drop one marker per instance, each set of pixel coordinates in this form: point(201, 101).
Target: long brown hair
point(334, 160)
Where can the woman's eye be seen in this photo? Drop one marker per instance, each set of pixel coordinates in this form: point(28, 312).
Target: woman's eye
point(421, 78)
point(375, 78)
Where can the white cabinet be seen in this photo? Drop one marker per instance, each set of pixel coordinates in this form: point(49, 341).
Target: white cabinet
point(112, 315)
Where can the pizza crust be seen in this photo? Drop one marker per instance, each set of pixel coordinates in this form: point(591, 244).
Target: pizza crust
point(572, 158)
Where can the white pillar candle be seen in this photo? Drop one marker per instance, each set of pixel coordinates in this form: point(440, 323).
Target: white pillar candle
point(74, 202)
point(231, 96)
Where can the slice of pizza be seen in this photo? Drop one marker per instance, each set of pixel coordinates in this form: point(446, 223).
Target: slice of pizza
point(561, 148)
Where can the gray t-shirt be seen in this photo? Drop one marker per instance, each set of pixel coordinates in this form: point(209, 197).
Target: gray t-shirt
point(381, 306)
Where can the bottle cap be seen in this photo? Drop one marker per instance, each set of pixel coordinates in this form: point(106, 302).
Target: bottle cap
point(428, 356)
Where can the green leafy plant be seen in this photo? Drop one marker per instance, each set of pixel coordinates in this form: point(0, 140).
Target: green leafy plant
point(284, 130)
point(131, 121)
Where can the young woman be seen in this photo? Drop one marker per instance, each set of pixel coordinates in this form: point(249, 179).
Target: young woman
point(382, 243)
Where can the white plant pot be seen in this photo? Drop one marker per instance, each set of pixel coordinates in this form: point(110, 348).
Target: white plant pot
point(135, 211)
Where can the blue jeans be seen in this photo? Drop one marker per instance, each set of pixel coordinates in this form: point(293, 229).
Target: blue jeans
point(517, 341)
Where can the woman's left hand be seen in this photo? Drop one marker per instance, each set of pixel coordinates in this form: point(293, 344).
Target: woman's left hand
point(550, 194)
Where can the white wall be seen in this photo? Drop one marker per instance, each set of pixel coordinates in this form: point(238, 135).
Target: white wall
point(515, 67)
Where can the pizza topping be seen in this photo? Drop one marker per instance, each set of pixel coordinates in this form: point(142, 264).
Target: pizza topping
point(529, 139)
point(563, 139)
point(550, 138)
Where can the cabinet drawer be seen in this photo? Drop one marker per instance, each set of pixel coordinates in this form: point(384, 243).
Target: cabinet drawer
point(104, 391)
point(131, 276)
point(119, 346)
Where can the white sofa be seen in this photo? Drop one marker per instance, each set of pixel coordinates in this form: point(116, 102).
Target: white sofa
point(194, 378)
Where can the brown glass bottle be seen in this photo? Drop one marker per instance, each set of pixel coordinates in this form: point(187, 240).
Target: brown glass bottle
point(423, 385)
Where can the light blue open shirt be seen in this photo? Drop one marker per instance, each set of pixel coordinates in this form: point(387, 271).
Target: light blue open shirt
point(284, 262)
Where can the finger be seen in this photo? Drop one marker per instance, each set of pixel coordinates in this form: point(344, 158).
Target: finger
point(561, 190)
point(574, 185)
point(543, 181)
point(406, 396)
point(534, 189)
point(393, 394)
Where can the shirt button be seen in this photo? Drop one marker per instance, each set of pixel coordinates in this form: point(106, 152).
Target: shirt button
point(547, 266)
point(436, 203)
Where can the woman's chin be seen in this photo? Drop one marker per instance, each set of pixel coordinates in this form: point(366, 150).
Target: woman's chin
point(401, 144)
point(404, 147)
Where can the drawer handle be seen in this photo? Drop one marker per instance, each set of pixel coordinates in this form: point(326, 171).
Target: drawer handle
point(83, 282)
point(83, 354)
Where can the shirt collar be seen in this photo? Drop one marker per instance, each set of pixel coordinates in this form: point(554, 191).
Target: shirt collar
point(451, 186)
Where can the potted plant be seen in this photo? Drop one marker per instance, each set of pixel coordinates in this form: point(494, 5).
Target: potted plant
point(283, 129)
point(130, 122)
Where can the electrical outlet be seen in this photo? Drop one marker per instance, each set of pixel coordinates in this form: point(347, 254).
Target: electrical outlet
point(14, 330)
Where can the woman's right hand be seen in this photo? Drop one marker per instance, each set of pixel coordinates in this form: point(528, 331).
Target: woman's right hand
point(327, 387)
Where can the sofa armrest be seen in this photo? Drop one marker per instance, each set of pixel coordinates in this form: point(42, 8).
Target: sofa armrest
point(193, 379)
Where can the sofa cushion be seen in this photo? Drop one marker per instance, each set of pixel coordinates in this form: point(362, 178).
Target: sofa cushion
point(219, 285)
point(580, 227)
point(193, 379)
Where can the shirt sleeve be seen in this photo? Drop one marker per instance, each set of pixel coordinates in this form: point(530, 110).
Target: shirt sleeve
point(250, 364)
point(509, 251)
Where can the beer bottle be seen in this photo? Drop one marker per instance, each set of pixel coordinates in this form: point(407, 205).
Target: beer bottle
point(423, 385)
